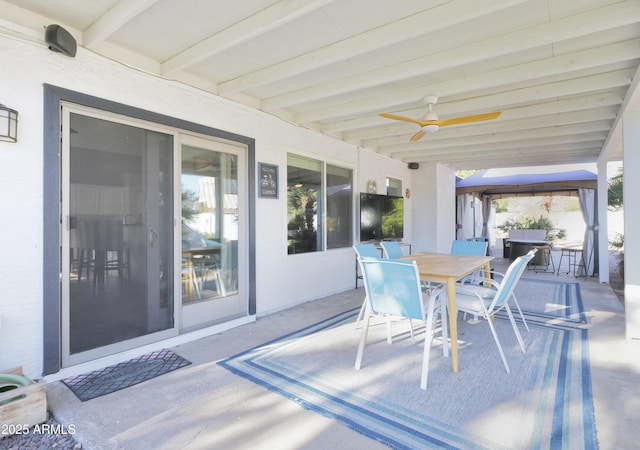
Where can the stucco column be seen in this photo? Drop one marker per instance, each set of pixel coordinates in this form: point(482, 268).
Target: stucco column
point(631, 159)
point(433, 201)
point(603, 227)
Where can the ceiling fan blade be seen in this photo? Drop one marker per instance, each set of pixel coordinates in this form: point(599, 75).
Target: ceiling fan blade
point(469, 119)
point(417, 136)
point(403, 118)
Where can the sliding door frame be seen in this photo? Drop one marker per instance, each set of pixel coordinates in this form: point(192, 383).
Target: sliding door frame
point(54, 96)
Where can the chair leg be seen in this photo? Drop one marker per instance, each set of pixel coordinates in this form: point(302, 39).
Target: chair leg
point(515, 327)
point(520, 311)
point(361, 313)
point(219, 284)
point(495, 338)
point(413, 338)
point(428, 338)
point(363, 341)
point(445, 326)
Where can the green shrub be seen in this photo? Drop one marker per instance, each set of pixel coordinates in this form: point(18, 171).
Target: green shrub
point(617, 242)
point(527, 223)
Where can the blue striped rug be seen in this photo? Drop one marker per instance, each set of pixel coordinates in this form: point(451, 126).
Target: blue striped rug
point(550, 299)
point(545, 402)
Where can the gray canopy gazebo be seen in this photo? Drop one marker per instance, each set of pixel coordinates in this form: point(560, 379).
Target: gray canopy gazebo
point(492, 184)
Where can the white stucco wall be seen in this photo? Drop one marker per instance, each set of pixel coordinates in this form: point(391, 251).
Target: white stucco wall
point(434, 210)
point(282, 280)
point(631, 145)
point(373, 166)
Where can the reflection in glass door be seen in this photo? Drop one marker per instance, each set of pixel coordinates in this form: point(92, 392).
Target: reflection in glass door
point(118, 251)
point(212, 223)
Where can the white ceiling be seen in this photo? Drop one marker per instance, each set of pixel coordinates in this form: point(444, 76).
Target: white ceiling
point(560, 71)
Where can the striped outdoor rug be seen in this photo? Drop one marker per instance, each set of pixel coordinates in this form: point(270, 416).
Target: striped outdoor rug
point(545, 402)
point(550, 299)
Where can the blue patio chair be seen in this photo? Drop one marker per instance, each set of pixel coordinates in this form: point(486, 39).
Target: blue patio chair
point(393, 289)
point(471, 248)
point(370, 251)
point(469, 299)
point(367, 251)
point(391, 249)
point(488, 292)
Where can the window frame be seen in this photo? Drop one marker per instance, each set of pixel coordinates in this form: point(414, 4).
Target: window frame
point(388, 178)
point(323, 201)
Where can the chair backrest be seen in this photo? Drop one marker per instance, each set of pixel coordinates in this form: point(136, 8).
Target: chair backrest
point(391, 249)
point(393, 287)
point(470, 248)
point(367, 251)
point(511, 277)
point(101, 234)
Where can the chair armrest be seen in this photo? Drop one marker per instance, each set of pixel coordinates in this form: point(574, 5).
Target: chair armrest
point(494, 272)
point(480, 280)
point(432, 288)
point(468, 291)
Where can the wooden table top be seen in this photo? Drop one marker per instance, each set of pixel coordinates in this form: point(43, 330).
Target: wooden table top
point(440, 266)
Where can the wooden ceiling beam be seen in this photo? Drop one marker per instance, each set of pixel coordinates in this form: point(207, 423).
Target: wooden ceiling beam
point(601, 19)
point(113, 20)
point(427, 21)
point(521, 73)
point(277, 15)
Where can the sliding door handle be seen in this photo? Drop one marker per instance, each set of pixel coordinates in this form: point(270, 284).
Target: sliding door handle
point(153, 237)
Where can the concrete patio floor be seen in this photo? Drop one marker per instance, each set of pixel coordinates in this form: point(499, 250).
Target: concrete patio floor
point(204, 406)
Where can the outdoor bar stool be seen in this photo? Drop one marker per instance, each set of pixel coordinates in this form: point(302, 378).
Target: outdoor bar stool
point(542, 260)
point(572, 259)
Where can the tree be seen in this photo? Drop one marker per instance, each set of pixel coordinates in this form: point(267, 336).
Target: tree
point(615, 203)
point(464, 173)
point(190, 205)
point(302, 211)
point(614, 193)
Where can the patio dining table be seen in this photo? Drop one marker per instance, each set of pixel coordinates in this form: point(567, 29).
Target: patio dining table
point(448, 268)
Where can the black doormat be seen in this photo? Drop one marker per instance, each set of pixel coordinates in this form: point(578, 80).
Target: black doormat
point(113, 378)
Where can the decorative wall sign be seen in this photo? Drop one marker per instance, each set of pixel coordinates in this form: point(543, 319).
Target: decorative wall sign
point(268, 180)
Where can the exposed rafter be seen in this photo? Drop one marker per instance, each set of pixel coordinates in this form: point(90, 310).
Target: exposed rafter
point(561, 73)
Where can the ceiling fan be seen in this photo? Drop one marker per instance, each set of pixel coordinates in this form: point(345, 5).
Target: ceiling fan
point(430, 122)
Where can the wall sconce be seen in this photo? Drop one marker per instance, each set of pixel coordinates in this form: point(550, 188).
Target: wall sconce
point(8, 124)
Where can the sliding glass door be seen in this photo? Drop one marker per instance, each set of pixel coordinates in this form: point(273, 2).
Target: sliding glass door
point(118, 262)
point(213, 223)
point(153, 233)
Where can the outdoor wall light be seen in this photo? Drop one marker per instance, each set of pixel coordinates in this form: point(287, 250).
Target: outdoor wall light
point(8, 124)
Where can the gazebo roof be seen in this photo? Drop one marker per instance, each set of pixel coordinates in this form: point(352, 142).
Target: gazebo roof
point(509, 183)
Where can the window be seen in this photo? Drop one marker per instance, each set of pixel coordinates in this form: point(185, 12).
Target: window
point(394, 187)
point(316, 190)
point(339, 201)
